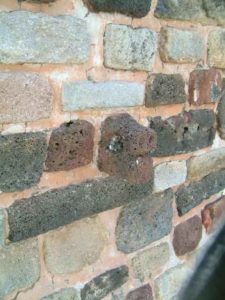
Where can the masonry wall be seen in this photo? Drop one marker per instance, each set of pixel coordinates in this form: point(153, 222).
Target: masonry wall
point(112, 152)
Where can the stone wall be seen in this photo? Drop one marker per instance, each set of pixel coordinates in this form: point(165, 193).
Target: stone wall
point(112, 152)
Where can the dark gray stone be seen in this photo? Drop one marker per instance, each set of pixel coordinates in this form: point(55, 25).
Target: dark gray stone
point(192, 195)
point(101, 286)
point(144, 222)
point(22, 157)
point(183, 133)
point(215, 9)
point(54, 208)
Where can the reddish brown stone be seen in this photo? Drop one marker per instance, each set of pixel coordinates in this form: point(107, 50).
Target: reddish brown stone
point(124, 149)
point(204, 86)
point(70, 146)
point(213, 213)
point(187, 235)
point(142, 293)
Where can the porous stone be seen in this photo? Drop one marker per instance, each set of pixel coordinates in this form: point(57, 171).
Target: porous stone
point(169, 174)
point(38, 38)
point(142, 293)
point(183, 133)
point(64, 251)
point(204, 86)
point(80, 95)
point(22, 157)
point(192, 195)
point(63, 294)
point(181, 45)
point(2, 227)
point(215, 10)
point(216, 48)
point(144, 222)
point(124, 148)
point(221, 116)
point(202, 165)
point(128, 48)
point(101, 286)
point(164, 89)
point(54, 208)
point(24, 97)
point(135, 8)
point(70, 146)
point(151, 261)
point(20, 266)
point(187, 235)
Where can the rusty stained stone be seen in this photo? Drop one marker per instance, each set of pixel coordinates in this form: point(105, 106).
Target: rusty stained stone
point(124, 149)
point(204, 86)
point(70, 146)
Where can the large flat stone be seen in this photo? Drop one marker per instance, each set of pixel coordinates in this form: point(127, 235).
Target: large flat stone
point(216, 48)
point(216, 10)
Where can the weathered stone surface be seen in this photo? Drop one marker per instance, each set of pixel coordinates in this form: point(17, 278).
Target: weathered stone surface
point(213, 214)
point(221, 116)
point(204, 86)
point(135, 8)
point(124, 148)
point(183, 133)
point(164, 89)
point(24, 97)
point(216, 48)
point(128, 48)
point(193, 194)
point(202, 165)
point(70, 146)
point(38, 1)
point(2, 227)
point(151, 261)
point(64, 251)
point(63, 294)
point(38, 38)
point(215, 10)
point(144, 222)
point(142, 293)
point(22, 157)
point(169, 174)
point(181, 45)
point(187, 235)
point(101, 286)
point(20, 267)
point(80, 95)
point(57, 207)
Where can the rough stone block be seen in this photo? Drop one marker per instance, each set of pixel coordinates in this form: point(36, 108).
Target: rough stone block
point(24, 97)
point(101, 286)
point(63, 294)
point(124, 147)
point(193, 194)
point(142, 293)
point(70, 146)
point(144, 222)
point(164, 89)
point(80, 95)
point(128, 48)
point(221, 116)
point(38, 38)
point(216, 48)
point(215, 10)
point(183, 133)
point(22, 157)
point(181, 45)
point(52, 209)
point(204, 86)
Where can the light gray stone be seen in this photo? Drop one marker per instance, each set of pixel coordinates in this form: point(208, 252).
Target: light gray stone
point(129, 48)
point(27, 37)
point(2, 227)
point(63, 294)
point(216, 48)
point(79, 95)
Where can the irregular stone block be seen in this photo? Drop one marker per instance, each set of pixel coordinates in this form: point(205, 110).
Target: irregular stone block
point(22, 157)
point(193, 194)
point(57, 207)
point(80, 95)
point(181, 45)
point(63, 294)
point(124, 147)
point(144, 222)
point(216, 48)
point(24, 97)
point(183, 133)
point(101, 286)
point(215, 10)
point(221, 116)
point(20, 266)
point(204, 86)
point(70, 146)
point(135, 8)
point(142, 293)
point(38, 38)
point(187, 235)
point(164, 89)
point(127, 48)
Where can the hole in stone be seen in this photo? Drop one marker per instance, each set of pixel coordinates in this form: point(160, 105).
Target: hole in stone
point(185, 129)
point(69, 123)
